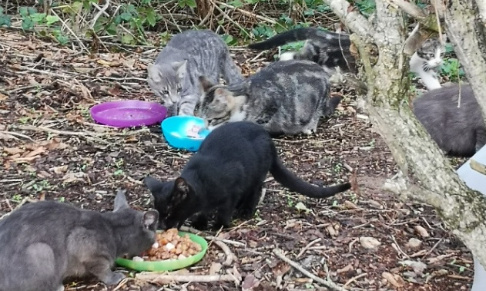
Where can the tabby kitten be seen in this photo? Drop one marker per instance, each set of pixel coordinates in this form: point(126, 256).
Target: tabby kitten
point(226, 176)
point(457, 126)
point(426, 61)
point(188, 55)
point(329, 49)
point(43, 243)
point(284, 97)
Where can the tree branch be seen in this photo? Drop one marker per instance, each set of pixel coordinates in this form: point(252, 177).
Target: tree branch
point(351, 18)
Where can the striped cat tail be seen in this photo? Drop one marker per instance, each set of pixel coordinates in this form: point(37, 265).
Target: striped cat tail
point(294, 183)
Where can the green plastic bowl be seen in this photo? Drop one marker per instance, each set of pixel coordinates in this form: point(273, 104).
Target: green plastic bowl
point(167, 265)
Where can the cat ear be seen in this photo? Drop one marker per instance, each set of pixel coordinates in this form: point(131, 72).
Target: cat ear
point(182, 190)
point(150, 219)
point(154, 73)
point(205, 83)
point(120, 201)
point(180, 68)
point(152, 184)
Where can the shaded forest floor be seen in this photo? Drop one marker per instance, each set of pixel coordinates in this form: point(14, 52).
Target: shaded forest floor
point(52, 149)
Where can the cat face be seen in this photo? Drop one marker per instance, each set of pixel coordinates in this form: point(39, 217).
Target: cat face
point(166, 81)
point(172, 200)
point(217, 104)
point(432, 51)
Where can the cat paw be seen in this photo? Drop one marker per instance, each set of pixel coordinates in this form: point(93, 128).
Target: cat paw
point(307, 132)
point(113, 278)
point(200, 223)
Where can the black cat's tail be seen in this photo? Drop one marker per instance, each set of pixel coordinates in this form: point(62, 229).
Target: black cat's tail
point(298, 34)
point(294, 183)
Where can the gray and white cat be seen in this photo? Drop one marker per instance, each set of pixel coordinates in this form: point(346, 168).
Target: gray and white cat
point(329, 49)
point(45, 242)
point(188, 55)
point(426, 61)
point(457, 126)
point(284, 97)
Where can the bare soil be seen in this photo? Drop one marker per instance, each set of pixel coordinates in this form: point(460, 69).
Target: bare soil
point(52, 149)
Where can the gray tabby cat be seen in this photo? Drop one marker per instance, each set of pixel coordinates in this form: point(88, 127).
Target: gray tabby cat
point(188, 55)
point(426, 61)
point(329, 49)
point(43, 243)
point(284, 97)
point(456, 126)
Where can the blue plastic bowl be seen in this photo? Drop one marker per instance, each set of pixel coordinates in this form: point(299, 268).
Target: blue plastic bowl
point(175, 129)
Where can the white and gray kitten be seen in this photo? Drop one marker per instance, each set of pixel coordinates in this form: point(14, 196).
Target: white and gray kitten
point(426, 61)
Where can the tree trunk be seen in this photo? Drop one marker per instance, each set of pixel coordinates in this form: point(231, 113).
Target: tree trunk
point(420, 160)
point(468, 34)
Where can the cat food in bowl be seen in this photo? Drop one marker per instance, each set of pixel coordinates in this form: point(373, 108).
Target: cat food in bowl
point(172, 250)
point(184, 132)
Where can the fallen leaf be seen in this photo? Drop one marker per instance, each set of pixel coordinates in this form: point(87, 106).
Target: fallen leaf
point(301, 207)
point(369, 242)
point(414, 243)
point(350, 205)
point(215, 268)
point(59, 170)
point(249, 283)
point(13, 151)
point(395, 280)
point(35, 152)
point(332, 232)
point(348, 268)
point(421, 231)
point(74, 177)
point(418, 267)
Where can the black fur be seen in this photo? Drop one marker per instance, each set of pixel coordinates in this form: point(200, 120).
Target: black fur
point(226, 175)
point(328, 49)
point(458, 131)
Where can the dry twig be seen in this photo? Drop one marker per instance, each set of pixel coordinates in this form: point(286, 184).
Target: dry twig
point(328, 283)
point(164, 278)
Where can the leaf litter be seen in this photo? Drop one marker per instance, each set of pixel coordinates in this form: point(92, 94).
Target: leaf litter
point(51, 149)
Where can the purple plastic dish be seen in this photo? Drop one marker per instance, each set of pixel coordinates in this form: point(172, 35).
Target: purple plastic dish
point(128, 113)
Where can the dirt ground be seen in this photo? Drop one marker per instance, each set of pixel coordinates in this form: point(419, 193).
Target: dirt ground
point(52, 149)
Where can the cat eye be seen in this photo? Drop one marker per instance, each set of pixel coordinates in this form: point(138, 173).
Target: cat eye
point(179, 90)
point(165, 92)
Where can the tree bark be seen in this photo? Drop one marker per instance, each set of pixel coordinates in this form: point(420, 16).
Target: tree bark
point(467, 32)
point(420, 160)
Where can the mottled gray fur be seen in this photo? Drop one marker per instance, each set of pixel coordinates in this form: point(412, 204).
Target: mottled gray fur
point(285, 97)
point(329, 49)
point(43, 243)
point(457, 127)
point(188, 55)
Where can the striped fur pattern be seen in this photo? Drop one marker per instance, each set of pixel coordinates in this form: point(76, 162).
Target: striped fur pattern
point(190, 54)
point(329, 49)
point(284, 97)
point(457, 126)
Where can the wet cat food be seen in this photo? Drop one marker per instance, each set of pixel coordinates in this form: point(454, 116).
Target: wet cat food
point(170, 245)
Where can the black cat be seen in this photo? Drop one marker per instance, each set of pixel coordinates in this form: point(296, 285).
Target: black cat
point(226, 175)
